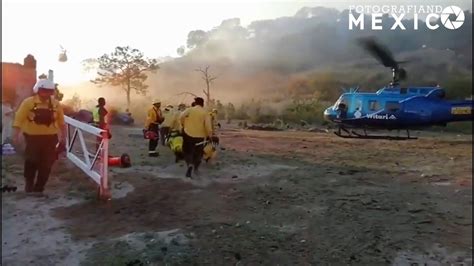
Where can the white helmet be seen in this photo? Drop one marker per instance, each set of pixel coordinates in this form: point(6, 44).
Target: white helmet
point(44, 84)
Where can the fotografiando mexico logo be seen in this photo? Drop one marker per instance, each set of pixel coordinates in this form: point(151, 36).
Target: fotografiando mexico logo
point(450, 17)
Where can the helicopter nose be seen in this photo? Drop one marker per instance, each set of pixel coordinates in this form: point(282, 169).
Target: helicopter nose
point(329, 114)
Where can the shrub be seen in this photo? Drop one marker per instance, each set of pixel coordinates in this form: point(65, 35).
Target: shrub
point(311, 111)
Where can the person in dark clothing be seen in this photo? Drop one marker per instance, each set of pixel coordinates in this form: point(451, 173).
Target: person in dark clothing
point(99, 117)
point(99, 114)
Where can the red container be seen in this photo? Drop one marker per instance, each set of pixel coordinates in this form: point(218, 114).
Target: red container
point(115, 161)
point(122, 161)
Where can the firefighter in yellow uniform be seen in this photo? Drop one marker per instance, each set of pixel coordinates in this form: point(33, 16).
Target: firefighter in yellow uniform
point(153, 121)
point(168, 116)
point(176, 139)
point(41, 119)
point(176, 124)
point(197, 128)
point(210, 147)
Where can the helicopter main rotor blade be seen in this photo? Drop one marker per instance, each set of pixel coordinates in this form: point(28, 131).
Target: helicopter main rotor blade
point(404, 61)
point(380, 52)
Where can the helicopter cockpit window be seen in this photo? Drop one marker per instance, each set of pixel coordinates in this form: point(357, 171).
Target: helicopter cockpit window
point(374, 105)
point(341, 103)
point(392, 106)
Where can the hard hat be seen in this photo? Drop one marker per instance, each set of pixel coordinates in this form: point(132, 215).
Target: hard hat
point(214, 110)
point(44, 84)
point(155, 101)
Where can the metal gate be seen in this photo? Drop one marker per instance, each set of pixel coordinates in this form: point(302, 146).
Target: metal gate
point(95, 163)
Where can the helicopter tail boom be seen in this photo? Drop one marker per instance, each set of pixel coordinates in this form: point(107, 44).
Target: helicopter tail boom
point(461, 111)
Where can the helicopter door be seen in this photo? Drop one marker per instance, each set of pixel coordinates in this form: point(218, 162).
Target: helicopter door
point(393, 109)
point(358, 109)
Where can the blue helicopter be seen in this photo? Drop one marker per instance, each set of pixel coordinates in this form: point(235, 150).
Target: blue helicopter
point(393, 107)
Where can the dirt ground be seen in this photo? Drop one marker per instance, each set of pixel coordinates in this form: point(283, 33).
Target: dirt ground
point(272, 198)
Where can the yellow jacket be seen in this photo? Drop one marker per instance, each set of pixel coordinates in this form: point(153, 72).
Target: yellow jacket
point(24, 117)
point(196, 122)
point(168, 115)
point(154, 116)
point(176, 124)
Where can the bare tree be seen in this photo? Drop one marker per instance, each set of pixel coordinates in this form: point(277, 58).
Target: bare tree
point(187, 93)
point(208, 78)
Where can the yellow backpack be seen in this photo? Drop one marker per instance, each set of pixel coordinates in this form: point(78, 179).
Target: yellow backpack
point(175, 142)
point(209, 151)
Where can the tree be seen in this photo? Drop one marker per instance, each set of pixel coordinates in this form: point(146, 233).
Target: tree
point(208, 78)
point(230, 111)
point(220, 109)
point(90, 64)
point(126, 68)
point(181, 50)
point(196, 38)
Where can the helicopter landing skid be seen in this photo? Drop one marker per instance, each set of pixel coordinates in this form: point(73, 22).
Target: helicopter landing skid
point(354, 135)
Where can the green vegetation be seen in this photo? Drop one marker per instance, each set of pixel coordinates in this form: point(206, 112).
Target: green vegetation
point(267, 112)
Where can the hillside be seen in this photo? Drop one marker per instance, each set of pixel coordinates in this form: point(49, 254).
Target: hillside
point(310, 54)
point(264, 57)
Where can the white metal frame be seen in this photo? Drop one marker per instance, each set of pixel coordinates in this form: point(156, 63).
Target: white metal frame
point(87, 163)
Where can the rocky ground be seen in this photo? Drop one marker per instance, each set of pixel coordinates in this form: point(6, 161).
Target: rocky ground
point(270, 197)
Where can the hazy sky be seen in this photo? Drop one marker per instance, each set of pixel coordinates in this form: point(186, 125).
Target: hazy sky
point(90, 28)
